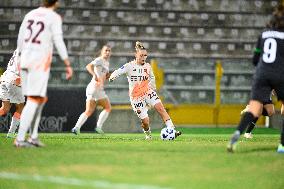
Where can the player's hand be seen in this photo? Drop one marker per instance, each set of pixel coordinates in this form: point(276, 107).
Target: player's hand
point(17, 81)
point(69, 72)
point(110, 79)
point(108, 75)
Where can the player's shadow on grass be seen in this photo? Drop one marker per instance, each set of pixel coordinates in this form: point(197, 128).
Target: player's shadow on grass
point(261, 149)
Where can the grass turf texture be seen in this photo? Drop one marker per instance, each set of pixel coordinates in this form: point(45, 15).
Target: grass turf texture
point(197, 159)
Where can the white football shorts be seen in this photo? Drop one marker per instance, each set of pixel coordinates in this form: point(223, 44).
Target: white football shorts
point(95, 93)
point(11, 92)
point(34, 82)
point(139, 105)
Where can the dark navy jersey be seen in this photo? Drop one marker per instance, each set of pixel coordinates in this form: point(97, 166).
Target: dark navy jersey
point(271, 47)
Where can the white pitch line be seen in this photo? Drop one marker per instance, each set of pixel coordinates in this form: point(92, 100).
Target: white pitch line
point(75, 181)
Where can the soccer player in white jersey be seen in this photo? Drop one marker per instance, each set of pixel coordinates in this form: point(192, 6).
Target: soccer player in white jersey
point(40, 29)
point(11, 93)
point(142, 89)
point(99, 69)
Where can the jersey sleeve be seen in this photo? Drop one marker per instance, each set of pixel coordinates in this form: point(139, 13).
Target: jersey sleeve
point(257, 52)
point(56, 29)
point(122, 70)
point(97, 62)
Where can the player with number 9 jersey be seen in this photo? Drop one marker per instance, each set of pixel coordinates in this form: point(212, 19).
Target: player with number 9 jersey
point(269, 59)
point(269, 65)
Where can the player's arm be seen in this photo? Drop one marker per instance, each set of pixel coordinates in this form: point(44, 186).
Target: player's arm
point(60, 45)
point(152, 80)
point(108, 75)
point(90, 69)
point(257, 53)
point(122, 70)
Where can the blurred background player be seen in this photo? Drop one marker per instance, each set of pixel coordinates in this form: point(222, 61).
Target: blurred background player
point(40, 29)
point(11, 93)
point(142, 89)
point(99, 69)
point(269, 75)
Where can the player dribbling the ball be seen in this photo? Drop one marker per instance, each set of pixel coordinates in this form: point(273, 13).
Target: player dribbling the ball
point(142, 89)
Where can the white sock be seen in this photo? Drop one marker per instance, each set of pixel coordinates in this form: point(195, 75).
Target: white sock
point(169, 123)
point(14, 124)
point(81, 120)
point(27, 118)
point(102, 118)
point(34, 134)
point(147, 132)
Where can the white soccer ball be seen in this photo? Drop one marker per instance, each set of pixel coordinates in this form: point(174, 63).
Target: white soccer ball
point(168, 134)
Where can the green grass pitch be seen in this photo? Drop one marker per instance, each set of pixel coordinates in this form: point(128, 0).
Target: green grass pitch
point(198, 159)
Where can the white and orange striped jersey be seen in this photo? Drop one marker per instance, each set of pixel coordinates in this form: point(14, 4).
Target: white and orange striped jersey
point(101, 68)
point(140, 78)
point(40, 29)
point(12, 72)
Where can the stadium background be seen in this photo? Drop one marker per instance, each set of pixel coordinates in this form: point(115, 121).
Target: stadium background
point(186, 39)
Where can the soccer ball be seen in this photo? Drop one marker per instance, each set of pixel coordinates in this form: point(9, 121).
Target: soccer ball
point(168, 134)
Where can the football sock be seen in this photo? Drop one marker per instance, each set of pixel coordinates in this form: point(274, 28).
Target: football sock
point(246, 119)
point(251, 125)
point(148, 132)
point(169, 123)
point(102, 118)
point(235, 137)
point(34, 134)
point(27, 119)
point(14, 123)
point(81, 120)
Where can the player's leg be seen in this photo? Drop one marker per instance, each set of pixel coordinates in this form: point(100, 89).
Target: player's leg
point(268, 110)
point(17, 98)
point(280, 148)
point(90, 108)
point(248, 117)
point(5, 108)
point(140, 108)
point(15, 122)
point(5, 97)
point(33, 139)
point(34, 86)
point(159, 107)
point(153, 99)
point(30, 113)
point(145, 124)
point(105, 103)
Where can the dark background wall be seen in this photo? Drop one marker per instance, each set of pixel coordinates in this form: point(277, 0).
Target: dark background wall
point(60, 112)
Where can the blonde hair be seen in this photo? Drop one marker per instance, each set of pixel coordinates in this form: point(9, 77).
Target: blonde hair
point(139, 46)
